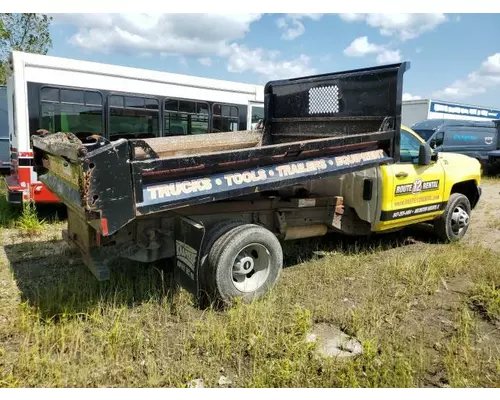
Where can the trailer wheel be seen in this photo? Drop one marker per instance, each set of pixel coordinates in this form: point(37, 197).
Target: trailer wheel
point(245, 262)
point(455, 221)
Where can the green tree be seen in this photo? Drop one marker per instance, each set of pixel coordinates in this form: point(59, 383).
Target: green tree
point(24, 32)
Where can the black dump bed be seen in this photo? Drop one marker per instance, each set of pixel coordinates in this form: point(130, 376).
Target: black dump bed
point(313, 127)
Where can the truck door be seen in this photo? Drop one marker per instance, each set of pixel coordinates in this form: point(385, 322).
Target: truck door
point(411, 192)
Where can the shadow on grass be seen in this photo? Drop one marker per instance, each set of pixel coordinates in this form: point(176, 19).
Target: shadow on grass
point(49, 280)
point(52, 212)
point(52, 279)
point(303, 250)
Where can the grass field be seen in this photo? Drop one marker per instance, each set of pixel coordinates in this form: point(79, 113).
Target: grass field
point(427, 314)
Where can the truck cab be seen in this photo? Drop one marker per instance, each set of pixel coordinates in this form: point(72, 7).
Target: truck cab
point(416, 190)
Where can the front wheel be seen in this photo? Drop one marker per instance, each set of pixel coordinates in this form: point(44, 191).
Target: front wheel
point(455, 221)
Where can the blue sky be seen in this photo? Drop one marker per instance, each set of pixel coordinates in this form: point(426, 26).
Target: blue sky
point(453, 57)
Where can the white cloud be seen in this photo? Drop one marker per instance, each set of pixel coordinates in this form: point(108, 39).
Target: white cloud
point(389, 57)
point(360, 47)
point(485, 78)
point(404, 26)
point(352, 17)
point(205, 61)
point(190, 34)
point(408, 96)
point(293, 26)
point(204, 36)
point(266, 63)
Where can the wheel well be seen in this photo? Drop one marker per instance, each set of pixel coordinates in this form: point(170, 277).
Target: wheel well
point(469, 189)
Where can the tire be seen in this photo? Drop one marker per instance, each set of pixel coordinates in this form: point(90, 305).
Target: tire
point(244, 262)
point(455, 221)
point(212, 235)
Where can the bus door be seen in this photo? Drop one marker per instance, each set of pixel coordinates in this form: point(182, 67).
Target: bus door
point(255, 113)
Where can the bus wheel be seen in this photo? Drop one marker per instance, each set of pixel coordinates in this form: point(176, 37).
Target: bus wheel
point(455, 221)
point(245, 262)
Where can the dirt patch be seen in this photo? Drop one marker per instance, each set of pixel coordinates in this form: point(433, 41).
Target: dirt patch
point(485, 226)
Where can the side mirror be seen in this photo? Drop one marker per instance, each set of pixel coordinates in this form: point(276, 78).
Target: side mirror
point(424, 154)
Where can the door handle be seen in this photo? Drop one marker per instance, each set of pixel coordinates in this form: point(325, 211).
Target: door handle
point(402, 174)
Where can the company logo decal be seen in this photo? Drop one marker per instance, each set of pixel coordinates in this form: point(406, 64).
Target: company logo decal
point(463, 110)
point(410, 212)
point(412, 200)
point(465, 138)
point(488, 140)
point(257, 179)
point(416, 187)
point(186, 258)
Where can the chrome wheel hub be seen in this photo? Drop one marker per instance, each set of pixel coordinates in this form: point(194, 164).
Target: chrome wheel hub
point(459, 220)
point(251, 268)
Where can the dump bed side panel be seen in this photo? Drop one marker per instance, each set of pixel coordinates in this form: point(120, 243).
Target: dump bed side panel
point(185, 192)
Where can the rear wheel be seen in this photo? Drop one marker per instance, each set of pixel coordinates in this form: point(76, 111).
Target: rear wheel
point(243, 262)
point(455, 221)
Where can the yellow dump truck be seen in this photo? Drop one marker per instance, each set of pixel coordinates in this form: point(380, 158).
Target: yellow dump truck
point(330, 156)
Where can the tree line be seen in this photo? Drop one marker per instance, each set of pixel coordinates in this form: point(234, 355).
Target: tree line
point(23, 32)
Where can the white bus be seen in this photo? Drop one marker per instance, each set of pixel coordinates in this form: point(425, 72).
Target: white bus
point(4, 132)
point(85, 98)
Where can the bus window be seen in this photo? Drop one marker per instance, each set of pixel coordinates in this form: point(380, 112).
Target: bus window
point(68, 110)
point(133, 117)
point(185, 117)
point(225, 118)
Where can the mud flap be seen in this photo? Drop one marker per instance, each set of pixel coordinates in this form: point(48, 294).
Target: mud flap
point(189, 235)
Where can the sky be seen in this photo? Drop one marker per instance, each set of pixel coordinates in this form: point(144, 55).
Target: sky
point(454, 57)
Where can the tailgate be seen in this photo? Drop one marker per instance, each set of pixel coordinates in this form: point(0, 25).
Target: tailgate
point(63, 177)
point(86, 176)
